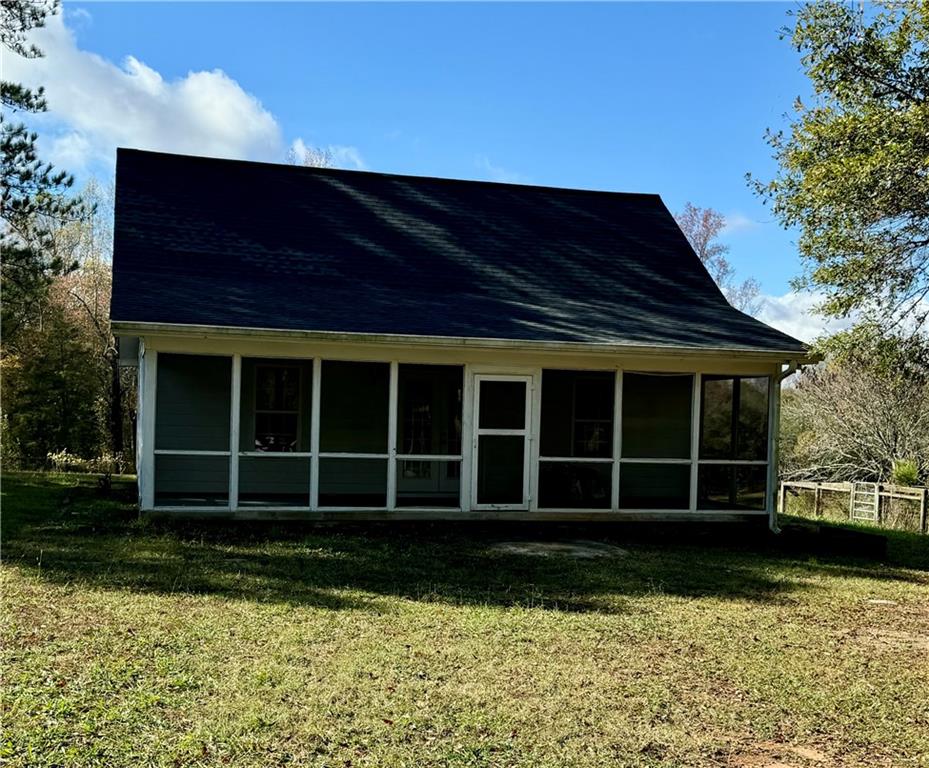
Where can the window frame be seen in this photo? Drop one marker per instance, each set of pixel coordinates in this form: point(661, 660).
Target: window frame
point(298, 413)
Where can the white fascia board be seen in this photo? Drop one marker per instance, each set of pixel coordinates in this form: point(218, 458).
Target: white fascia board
point(453, 342)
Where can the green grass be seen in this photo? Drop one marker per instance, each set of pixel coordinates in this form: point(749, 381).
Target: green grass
point(132, 642)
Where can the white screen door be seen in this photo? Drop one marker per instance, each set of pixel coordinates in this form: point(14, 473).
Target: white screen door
point(500, 474)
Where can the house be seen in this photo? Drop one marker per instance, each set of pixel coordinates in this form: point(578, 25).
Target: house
point(329, 344)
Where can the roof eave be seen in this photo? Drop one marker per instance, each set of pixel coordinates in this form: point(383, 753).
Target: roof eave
point(137, 328)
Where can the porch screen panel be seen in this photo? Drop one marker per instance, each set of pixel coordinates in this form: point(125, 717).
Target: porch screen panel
point(657, 423)
point(576, 439)
point(274, 432)
point(192, 402)
point(654, 486)
point(502, 405)
point(352, 482)
point(732, 474)
point(429, 423)
point(428, 483)
point(429, 400)
point(575, 485)
point(657, 416)
point(500, 469)
point(191, 480)
point(354, 406)
point(353, 434)
point(577, 414)
point(274, 480)
point(192, 423)
point(732, 486)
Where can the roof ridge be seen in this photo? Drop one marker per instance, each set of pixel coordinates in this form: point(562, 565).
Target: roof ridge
point(384, 175)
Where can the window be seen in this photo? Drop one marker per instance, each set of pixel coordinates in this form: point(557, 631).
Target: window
point(275, 406)
point(656, 462)
point(576, 439)
point(192, 427)
point(429, 414)
point(733, 443)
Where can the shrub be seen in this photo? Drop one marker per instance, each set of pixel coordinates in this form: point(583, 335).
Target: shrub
point(105, 464)
point(905, 472)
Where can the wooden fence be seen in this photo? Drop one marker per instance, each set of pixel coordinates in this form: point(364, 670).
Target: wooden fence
point(890, 506)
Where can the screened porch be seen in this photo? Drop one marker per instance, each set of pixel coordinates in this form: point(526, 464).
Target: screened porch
point(315, 435)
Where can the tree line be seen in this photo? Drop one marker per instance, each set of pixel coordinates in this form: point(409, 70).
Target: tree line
point(852, 179)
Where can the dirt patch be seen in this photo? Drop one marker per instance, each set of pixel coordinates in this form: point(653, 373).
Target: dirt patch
point(579, 548)
point(768, 754)
point(896, 639)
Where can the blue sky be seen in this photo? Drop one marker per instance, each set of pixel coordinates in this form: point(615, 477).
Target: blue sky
point(661, 97)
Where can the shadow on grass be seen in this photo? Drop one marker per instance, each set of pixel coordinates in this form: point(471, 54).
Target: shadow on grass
point(60, 528)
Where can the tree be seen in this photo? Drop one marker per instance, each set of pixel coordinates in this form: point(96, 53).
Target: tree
point(33, 195)
point(853, 172)
point(861, 414)
point(87, 290)
point(311, 157)
point(50, 390)
point(82, 402)
point(702, 227)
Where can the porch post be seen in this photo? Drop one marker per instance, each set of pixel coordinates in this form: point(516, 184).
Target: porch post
point(774, 417)
point(234, 416)
point(392, 437)
point(617, 437)
point(467, 437)
point(148, 385)
point(695, 441)
point(314, 433)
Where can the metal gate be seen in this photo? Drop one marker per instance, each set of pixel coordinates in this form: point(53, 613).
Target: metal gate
point(865, 502)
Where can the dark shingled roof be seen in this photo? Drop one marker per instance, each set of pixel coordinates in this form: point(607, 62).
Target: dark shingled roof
point(210, 242)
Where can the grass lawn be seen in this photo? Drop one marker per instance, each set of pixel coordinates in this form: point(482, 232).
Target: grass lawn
point(136, 643)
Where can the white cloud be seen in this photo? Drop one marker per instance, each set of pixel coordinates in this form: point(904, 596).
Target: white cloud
point(738, 222)
point(96, 106)
point(793, 313)
point(496, 173)
point(346, 156)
